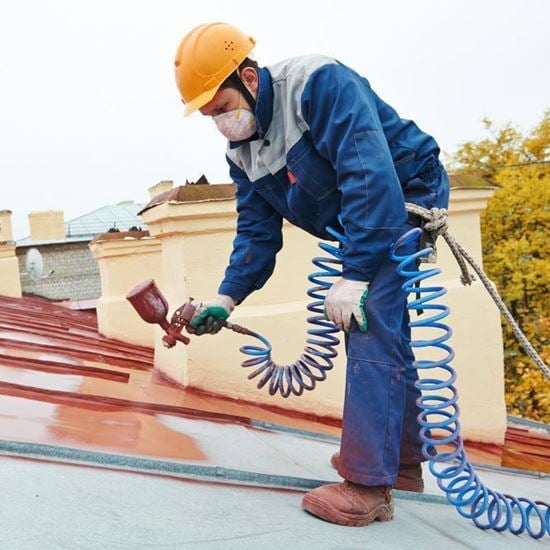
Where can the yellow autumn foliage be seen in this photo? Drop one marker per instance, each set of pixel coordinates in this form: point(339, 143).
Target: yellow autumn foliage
point(515, 249)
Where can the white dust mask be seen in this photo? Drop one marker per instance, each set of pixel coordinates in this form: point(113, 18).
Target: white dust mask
point(236, 125)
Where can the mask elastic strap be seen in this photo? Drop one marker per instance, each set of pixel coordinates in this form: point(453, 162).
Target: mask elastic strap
point(249, 98)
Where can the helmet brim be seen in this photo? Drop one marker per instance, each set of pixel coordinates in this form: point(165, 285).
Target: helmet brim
point(200, 101)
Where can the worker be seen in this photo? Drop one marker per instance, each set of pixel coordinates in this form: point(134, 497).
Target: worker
point(311, 142)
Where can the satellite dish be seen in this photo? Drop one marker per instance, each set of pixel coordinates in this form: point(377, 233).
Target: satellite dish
point(34, 264)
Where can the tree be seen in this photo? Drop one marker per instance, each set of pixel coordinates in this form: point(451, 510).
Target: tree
point(515, 248)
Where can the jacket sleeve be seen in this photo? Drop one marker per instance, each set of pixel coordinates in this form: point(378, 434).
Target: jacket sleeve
point(340, 110)
point(256, 243)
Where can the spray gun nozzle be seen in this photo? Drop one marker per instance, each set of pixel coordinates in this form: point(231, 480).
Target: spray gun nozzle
point(152, 307)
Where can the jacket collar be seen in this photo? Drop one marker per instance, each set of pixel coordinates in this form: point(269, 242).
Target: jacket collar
point(264, 109)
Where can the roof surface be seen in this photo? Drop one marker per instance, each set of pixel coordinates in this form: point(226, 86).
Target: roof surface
point(201, 192)
point(123, 216)
point(62, 506)
point(81, 414)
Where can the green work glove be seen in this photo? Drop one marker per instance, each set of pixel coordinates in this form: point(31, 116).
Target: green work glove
point(345, 300)
point(209, 315)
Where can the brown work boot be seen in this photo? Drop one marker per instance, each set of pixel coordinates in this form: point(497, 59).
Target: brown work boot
point(351, 504)
point(409, 477)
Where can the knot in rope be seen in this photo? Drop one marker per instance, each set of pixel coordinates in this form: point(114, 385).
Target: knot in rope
point(436, 221)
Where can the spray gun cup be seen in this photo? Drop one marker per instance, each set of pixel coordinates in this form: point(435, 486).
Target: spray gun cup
point(148, 301)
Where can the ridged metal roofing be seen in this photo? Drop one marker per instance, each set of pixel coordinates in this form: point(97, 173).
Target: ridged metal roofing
point(71, 397)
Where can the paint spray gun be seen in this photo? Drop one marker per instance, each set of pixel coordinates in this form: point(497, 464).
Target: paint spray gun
point(289, 379)
point(152, 307)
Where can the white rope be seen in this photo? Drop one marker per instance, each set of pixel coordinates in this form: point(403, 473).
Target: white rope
point(436, 224)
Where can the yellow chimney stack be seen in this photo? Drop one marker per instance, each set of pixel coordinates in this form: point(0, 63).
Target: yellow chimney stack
point(47, 225)
point(160, 187)
point(5, 226)
point(10, 284)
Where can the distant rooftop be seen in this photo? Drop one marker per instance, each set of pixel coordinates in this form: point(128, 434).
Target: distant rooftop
point(125, 214)
point(197, 192)
point(470, 181)
point(121, 216)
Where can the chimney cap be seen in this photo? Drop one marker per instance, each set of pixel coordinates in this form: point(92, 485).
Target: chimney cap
point(45, 212)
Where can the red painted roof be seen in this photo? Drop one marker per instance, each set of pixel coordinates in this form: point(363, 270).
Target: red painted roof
point(63, 383)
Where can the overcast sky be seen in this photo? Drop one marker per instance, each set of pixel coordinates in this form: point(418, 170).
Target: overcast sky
point(90, 115)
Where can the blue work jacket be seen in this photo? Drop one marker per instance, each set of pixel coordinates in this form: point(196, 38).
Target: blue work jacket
point(326, 145)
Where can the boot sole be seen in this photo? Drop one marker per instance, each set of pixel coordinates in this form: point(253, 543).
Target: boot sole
point(327, 512)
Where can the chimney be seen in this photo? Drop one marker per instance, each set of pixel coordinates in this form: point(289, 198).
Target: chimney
point(160, 187)
point(47, 225)
point(5, 226)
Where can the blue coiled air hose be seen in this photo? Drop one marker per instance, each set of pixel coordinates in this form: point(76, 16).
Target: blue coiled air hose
point(456, 476)
point(320, 350)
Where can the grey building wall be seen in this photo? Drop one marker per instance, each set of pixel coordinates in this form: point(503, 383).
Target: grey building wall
point(76, 275)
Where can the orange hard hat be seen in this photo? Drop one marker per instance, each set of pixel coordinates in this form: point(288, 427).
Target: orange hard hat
point(205, 58)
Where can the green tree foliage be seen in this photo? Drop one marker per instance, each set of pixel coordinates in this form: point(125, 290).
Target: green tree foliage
point(515, 248)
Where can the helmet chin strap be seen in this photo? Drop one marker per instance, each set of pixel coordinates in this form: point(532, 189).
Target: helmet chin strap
point(235, 79)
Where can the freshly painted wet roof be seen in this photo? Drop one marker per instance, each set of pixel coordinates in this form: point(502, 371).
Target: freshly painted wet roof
point(81, 414)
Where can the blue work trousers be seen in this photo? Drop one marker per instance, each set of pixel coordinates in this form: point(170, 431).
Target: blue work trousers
point(380, 429)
